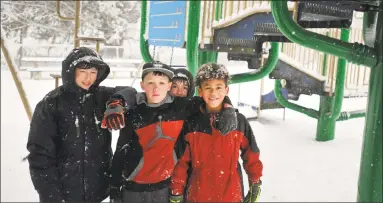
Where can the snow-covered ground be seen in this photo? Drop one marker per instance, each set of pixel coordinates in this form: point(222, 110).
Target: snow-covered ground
point(296, 167)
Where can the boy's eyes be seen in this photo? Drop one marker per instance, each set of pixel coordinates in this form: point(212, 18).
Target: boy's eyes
point(161, 83)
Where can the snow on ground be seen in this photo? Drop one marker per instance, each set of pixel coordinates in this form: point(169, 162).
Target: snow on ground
point(296, 167)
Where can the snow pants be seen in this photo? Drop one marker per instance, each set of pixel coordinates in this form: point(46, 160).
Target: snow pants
point(158, 196)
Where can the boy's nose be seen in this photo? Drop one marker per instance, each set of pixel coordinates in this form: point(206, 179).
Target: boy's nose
point(87, 77)
point(179, 90)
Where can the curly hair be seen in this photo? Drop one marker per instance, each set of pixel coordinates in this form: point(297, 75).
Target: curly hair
point(210, 71)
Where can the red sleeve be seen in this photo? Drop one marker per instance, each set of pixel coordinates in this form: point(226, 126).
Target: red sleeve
point(179, 176)
point(250, 154)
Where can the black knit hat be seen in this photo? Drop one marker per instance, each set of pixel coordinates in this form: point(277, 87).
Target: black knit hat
point(158, 67)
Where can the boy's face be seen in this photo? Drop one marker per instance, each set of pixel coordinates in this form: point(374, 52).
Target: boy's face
point(85, 77)
point(156, 87)
point(213, 92)
point(179, 88)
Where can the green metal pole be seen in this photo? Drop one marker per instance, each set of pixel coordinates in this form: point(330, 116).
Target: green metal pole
point(206, 57)
point(264, 71)
point(326, 124)
point(144, 45)
point(353, 52)
point(218, 9)
point(279, 96)
point(330, 107)
point(370, 175)
point(192, 37)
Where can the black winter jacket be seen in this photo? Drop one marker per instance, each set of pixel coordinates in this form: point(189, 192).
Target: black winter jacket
point(70, 154)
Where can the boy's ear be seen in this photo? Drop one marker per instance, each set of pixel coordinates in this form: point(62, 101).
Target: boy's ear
point(227, 90)
point(142, 85)
point(170, 85)
point(200, 92)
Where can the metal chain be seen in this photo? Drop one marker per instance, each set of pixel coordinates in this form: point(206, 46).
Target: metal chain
point(154, 53)
point(171, 57)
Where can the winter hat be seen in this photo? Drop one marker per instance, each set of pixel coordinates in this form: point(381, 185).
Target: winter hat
point(211, 71)
point(182, 76)
point(83, 57)
point(159, 67)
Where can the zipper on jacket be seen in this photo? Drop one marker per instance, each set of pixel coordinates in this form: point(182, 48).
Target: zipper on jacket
point(77, 123)
point(77, 127)
point(97, 122)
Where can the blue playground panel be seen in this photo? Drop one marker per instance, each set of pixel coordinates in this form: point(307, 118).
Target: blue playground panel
point(270, 97)
point(267, 100)
point(167, 23)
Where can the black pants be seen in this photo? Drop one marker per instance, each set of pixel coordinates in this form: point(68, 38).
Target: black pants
point(158, 196)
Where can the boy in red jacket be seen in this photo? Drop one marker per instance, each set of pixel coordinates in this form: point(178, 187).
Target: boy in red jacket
point(211, 155)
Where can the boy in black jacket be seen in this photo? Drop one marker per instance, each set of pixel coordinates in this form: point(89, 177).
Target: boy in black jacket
point(149, 146)
point(182, 83)
point(70, 155)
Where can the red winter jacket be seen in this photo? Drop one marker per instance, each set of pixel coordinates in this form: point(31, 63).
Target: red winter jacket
point(213, 158)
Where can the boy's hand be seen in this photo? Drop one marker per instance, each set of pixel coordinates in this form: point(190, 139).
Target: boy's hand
point(176, 199)
point(227, 121)
point(113, 116)
point(254, 192)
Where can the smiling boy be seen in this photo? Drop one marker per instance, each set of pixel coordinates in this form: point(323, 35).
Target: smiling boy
point(69, 154)
point(213, 155)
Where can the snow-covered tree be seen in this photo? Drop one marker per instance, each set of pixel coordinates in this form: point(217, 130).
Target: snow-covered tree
point(38, 20)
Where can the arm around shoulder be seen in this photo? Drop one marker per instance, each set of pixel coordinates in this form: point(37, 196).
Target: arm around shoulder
point(127, 95)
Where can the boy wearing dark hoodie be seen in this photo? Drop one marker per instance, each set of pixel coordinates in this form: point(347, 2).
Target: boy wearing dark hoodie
point(212, 155)
point(69, 154)
point(182, 83)
point(149, 145)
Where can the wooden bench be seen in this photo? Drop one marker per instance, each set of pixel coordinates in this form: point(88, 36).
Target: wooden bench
point(56, 77)
point(116, 65)
point(134, 73)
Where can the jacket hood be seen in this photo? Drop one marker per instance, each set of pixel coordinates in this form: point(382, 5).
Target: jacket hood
point(83, 56)
point(185, 74)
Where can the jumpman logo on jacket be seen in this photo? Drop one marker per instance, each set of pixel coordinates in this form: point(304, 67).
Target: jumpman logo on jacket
point(158, 134)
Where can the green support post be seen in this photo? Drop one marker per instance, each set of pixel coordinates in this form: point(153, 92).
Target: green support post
point(192, 37)
point(144, 45)
point(206, 57)
point(370, 174)
point(330, 107)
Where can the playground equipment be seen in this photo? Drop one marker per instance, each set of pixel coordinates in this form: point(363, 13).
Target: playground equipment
point(241, 28)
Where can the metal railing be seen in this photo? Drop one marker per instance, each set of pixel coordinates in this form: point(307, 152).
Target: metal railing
point(356, 83)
